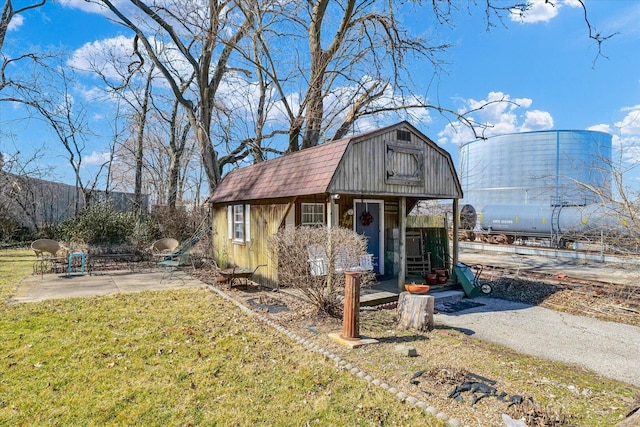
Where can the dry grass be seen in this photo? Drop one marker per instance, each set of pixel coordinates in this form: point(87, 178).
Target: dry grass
point(169, 358)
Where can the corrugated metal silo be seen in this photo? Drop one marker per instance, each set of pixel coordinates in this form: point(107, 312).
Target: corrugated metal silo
point(536, 168)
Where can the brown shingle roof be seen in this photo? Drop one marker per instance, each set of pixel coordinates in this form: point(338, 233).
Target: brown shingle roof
point(301, 173)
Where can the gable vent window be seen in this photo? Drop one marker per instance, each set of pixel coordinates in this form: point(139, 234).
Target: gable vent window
point(403, 135)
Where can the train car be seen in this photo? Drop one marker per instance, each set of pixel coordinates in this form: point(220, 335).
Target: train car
point(560, 224)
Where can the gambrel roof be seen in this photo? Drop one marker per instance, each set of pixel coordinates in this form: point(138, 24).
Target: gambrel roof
point(394, 160)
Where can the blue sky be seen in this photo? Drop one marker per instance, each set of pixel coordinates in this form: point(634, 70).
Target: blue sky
point(545, 63)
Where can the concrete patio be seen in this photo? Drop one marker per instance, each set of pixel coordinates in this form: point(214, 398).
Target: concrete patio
point(57, 286)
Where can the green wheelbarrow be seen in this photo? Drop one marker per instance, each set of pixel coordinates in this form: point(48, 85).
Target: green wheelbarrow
point(469, 280)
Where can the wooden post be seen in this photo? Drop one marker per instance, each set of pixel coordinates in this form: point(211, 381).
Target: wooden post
point(454, 243)
point(351, 317)
point(402, 215)
point(415, 311)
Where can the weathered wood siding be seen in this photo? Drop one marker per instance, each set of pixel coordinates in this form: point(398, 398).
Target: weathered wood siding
point(265, 221)
point(367, 168)
point(426, 221)
point(221, 241)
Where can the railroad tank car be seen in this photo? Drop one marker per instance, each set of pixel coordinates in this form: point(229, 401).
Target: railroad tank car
point(540, 220)
point(536, 168)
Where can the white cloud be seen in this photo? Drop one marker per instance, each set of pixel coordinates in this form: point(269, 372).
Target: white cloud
point(498, 114)
point(102, 54)
point(571, 3)
point(536, 120)
point(625, 135)
point(628, 138)
point(114, 58)
point(95, 159)
point(16, 22)
point(90, 7)
point(601, 128)
point(455, 133)
point(630, 124)
point(541, 11)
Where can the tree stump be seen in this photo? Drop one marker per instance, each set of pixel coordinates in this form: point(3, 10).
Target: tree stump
point(415, 311)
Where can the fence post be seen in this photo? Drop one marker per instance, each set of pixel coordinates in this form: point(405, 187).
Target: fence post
point(351, 317)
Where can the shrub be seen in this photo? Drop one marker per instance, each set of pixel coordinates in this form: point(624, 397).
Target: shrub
point(99, 224)
point(313, 260)
point(12, 231)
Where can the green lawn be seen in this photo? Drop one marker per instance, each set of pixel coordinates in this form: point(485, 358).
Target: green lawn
point(168, 358)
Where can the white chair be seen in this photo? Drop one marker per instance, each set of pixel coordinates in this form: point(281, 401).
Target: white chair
point(50, 255)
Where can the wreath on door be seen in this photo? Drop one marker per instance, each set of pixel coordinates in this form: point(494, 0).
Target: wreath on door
point(366, 218)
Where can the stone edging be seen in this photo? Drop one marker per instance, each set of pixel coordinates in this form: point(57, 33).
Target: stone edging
point(341, 363)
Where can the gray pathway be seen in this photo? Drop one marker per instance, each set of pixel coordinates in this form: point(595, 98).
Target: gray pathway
point(609, 349)
point(56, 286)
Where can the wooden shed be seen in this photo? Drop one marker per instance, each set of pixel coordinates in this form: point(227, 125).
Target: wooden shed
point(367, 182)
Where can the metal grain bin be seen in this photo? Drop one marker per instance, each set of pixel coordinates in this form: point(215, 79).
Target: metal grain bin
point(538, 168)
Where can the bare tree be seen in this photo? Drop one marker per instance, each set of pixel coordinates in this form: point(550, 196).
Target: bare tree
point(117, 133)
point(178, 137)
point(168, 153)
point(19, 189)
point(139, 152)
point(9, 12)
point(325, 64)
point(198, 34)
point(313, 260)
point(51, 98)
point(614, 220)
point(355, 62)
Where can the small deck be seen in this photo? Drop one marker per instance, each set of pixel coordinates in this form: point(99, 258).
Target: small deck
point(386, 291)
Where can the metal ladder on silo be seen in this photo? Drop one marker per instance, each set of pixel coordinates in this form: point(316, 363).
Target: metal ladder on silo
point(555, 224)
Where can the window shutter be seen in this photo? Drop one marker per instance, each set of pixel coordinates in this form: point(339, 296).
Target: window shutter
point(247, 223)
point(230, 222)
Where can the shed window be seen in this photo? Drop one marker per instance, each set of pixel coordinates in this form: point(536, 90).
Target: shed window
point(238, 223)
point(239, 219)
point(403, 135)
point(312, 214)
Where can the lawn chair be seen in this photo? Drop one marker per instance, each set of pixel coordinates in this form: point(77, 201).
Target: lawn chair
point(170, 266)
point(47, 255)
point(318, 261)
point(165, 245)
point(185, 247)
point(164, 249)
